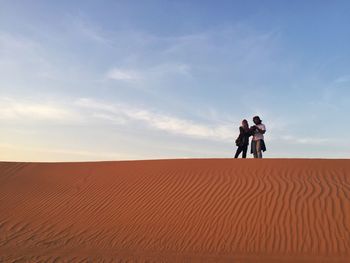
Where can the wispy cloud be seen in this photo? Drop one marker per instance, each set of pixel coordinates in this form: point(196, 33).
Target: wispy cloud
point(27, 110)
point(159, 121)
point(305, 140)
point(123, 115)
point(86, 28)
point(86, 109)
point(165, 69)
point(40, 153)
point(156, 72)
point(121, 74)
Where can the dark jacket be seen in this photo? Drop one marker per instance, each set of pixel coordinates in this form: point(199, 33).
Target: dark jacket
point(262, 146)
point(243, 137)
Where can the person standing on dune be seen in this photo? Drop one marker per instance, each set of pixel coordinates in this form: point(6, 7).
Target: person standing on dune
point(258, 143)
point(243, 139)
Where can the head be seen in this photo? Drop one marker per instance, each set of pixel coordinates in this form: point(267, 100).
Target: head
point(257, 120)
point(245, 123)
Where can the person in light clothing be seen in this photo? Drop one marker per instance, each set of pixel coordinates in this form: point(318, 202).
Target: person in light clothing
point(258, 143)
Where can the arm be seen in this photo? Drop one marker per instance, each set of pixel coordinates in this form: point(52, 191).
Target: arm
point(251, 130)
point(241, 133)
point(260, 130)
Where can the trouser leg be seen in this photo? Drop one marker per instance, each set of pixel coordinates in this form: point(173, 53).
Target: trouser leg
point(245, 149)
point(254, 149)
point(258, 149)
point(239, 150)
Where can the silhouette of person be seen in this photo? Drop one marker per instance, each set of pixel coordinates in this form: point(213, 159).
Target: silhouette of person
point(243, 139)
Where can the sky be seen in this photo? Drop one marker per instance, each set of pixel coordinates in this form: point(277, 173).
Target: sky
point(129, 80)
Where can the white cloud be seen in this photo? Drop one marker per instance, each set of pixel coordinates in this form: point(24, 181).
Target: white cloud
point(14, 109)
point(121, 74)
point(170, 68)
point(305, 140)
point(91, 110)
point(155, 72)
point(160, 121)
point(40, 153)
point(88, 110)
point(109, 117)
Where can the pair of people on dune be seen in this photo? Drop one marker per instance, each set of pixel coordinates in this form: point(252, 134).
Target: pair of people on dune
point(257, 145)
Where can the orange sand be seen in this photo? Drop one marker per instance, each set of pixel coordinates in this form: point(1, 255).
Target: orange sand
point(205, 210)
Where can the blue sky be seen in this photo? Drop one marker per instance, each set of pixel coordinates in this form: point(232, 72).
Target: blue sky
point(116, 80)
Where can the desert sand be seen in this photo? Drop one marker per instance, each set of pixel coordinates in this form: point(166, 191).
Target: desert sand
point(196, 210)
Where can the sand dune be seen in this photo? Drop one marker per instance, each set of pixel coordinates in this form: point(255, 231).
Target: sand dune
point(205, 210)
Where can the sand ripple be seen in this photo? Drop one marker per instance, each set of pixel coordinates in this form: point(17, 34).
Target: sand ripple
point(219, 210)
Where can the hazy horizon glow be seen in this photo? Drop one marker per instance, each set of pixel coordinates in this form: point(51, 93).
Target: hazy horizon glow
point(117, 80)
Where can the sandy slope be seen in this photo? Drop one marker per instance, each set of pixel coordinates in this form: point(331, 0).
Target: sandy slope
point(219, 210)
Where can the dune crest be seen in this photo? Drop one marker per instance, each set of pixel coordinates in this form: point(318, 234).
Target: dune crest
point(200, 210)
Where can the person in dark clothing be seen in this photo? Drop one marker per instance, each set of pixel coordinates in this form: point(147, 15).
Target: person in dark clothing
point(243, 139)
